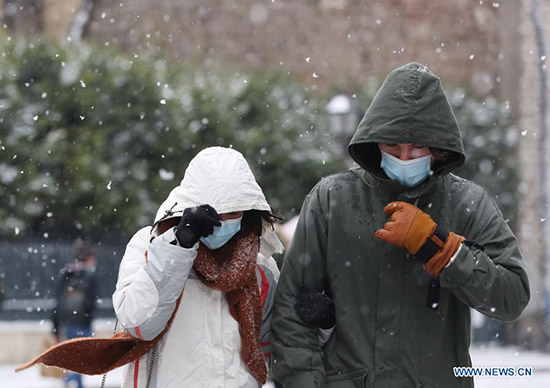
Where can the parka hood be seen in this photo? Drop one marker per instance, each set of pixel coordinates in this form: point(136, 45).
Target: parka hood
point(410, 107)
point(221, 178)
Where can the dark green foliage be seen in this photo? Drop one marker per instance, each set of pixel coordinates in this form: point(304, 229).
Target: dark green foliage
point(490, 142)
point(92, 142)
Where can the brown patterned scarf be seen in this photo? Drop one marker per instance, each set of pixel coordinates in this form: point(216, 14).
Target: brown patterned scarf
point(231, 269)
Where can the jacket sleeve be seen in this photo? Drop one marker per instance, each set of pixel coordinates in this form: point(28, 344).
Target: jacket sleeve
point(268, 276)
point(151, 279)
point(297, 353)
point(490, 278)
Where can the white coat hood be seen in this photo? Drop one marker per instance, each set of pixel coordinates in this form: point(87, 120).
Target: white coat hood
point(221, 178)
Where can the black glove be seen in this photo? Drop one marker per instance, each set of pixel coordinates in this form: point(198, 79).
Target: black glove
point(196, 222)
point(315, 308)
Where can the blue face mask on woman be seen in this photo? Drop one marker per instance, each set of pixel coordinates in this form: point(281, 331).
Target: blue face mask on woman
point(409, 173)
point(223, 233)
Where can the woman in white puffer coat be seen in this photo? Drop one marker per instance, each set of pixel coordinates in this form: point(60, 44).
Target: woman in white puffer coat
point(201, 281)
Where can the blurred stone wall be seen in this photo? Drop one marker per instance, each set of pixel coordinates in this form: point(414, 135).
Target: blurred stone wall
point(22, 15)
point(336, 43)
point(58, 16)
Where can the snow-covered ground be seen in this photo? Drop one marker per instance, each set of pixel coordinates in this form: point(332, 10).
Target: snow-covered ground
point(481, 357)
point(30, 378)
point(487, 356)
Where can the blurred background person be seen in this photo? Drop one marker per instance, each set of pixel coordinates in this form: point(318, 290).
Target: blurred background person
point(75, 301)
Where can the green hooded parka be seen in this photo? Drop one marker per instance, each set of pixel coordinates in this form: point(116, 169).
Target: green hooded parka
point(385, 335)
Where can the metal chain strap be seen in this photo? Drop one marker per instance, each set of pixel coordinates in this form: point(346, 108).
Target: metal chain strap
point(151, 366)
point(105, 375)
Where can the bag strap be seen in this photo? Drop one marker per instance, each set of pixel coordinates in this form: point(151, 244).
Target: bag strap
point(151, 366)
point(105, 375)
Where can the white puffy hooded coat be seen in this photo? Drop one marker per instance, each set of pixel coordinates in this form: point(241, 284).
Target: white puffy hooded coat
point(202, 347)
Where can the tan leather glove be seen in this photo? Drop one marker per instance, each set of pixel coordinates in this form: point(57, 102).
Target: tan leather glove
point(415, 230)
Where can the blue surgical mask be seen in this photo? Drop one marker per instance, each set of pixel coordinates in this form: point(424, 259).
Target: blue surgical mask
point(407, 172)
point(223, 233)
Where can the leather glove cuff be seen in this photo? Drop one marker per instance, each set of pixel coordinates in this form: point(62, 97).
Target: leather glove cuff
point(436, 264)
point(432, 245)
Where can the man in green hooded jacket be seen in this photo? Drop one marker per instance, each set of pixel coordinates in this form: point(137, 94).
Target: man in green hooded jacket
point(402, 247)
